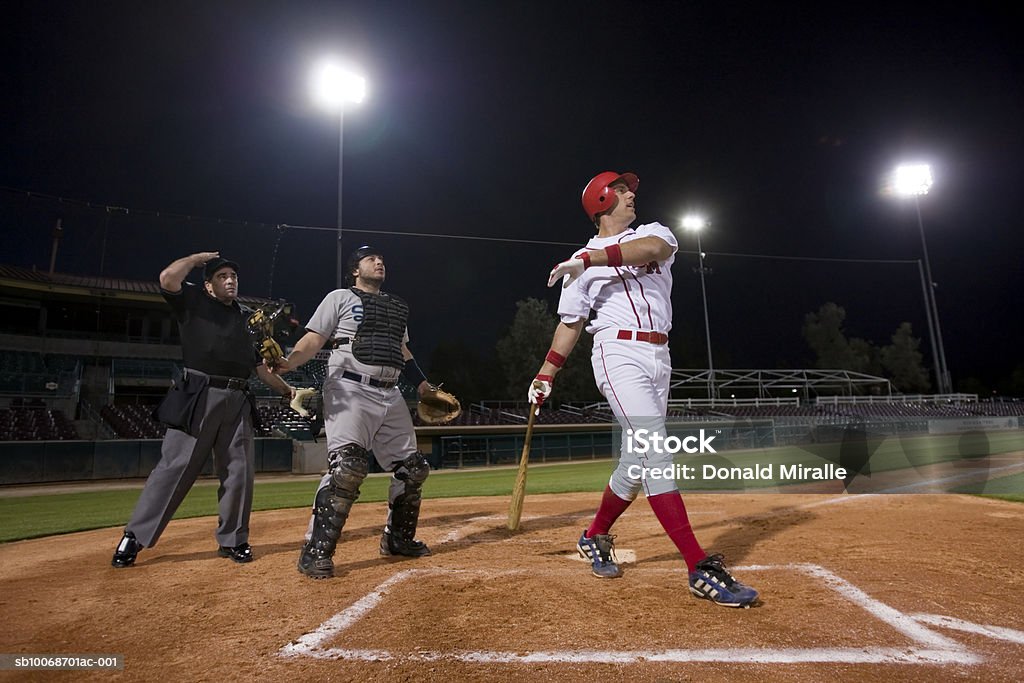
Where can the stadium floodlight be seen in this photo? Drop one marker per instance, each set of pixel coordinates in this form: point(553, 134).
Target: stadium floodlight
point(911, 180)
point(332, 86)
point(696, 223)
point(914, 181)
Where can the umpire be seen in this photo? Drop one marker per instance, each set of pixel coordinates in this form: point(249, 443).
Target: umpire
point(216, 417)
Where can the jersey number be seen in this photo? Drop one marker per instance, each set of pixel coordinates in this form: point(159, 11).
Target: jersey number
point(357, 313)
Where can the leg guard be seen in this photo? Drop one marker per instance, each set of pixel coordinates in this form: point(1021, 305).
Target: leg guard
point(400, 533)
point(348, 465)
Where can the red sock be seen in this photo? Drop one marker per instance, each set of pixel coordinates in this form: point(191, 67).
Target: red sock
point(670, 511)
point(611, 508)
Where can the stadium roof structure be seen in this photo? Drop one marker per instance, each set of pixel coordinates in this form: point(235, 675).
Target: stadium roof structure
point(765, 381)
point(27, 280)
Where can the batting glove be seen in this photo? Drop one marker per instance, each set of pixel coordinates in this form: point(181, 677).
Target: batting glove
point(567, 270)
point(540, 389)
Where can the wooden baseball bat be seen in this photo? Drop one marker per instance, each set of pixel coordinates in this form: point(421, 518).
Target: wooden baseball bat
point(519, 490)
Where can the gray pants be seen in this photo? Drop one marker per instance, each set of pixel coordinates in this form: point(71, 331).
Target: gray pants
point(372, 418)
point(223, 425)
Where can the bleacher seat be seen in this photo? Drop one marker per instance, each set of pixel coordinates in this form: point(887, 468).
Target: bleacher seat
point(35, 424)
point(132, 421)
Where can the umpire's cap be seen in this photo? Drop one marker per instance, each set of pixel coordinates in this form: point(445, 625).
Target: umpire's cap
point(213, 265)
point(355, 257)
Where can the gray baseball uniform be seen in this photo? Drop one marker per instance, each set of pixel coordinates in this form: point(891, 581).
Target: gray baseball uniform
point(364, 411)
point(356, 412)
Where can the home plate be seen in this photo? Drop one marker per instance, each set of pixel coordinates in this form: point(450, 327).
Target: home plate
point(622, 556)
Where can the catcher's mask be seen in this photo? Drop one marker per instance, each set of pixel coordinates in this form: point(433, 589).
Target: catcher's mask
point(598, 197)
point(355, 257)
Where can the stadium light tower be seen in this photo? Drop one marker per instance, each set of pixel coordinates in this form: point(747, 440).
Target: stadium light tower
point(696, 223)
point(333, 86)
point(915, 180)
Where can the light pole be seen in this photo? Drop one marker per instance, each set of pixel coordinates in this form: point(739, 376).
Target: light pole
point(333, 86)
point(915, 180)
point(696, 223)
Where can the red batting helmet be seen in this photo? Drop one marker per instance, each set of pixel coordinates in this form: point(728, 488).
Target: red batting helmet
point(598, 197)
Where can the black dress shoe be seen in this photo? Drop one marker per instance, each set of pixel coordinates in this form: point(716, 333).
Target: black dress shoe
point(240, 553)
point(126, 551)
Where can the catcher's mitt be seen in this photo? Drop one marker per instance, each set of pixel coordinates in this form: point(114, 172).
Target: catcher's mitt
point(263, 323)
point(438, 407)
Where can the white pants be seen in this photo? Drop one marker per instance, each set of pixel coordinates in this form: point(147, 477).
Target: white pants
point(634, 377)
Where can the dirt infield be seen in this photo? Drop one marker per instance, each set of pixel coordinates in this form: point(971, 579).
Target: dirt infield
point(907, 587)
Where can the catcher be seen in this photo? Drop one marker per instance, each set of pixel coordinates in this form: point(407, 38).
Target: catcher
point(365, 329)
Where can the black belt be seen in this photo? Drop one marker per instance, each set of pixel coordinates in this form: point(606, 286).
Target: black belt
point(362, 379)
point(338, 343)
point(218, 382)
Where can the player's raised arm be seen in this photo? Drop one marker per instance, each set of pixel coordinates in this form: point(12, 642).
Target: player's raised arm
point(632, 253)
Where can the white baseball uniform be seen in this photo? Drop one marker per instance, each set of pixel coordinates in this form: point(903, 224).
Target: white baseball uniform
point(629, 303)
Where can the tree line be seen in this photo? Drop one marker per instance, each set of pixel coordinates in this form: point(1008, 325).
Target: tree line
point(504, 373)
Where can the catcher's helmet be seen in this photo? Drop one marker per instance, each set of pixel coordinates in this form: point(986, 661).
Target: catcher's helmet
point(598, 196)
point(355, 257)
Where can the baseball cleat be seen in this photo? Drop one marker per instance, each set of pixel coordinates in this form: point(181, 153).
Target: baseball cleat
point(240, 553)
point(126, 551)
point(600, 550)
point(392, 544)
point(711, 581)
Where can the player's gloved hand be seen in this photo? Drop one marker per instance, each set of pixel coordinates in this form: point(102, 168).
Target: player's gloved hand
point(567, 270)
point(540, 389)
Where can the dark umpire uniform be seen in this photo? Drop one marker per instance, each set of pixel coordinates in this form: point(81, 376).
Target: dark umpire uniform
point(219, 358)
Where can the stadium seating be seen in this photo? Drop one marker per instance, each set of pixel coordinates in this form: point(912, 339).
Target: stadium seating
point(281, 420)
point(132, 421)
point(1014, 408)
point(35, 424)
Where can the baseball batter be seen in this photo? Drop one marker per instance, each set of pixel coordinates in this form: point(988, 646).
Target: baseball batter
point(363, 411)
point(624, 278)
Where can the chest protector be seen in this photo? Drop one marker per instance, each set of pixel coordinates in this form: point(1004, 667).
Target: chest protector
point(378, 341)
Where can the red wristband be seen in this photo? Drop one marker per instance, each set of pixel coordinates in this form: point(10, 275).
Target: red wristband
point(545, 378)
point(555, 358)
point(585, 257)
point(614, 255)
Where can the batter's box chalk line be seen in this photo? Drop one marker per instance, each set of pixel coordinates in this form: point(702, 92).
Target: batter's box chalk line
point(931, 647)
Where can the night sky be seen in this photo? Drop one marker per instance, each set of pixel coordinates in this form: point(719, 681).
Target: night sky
point(487, 118)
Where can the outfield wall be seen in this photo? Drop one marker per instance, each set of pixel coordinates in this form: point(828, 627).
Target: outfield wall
point(37, 462)
point(456, 447)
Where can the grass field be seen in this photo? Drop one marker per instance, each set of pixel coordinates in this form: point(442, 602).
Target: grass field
point(24, 517)
point(34, 516)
